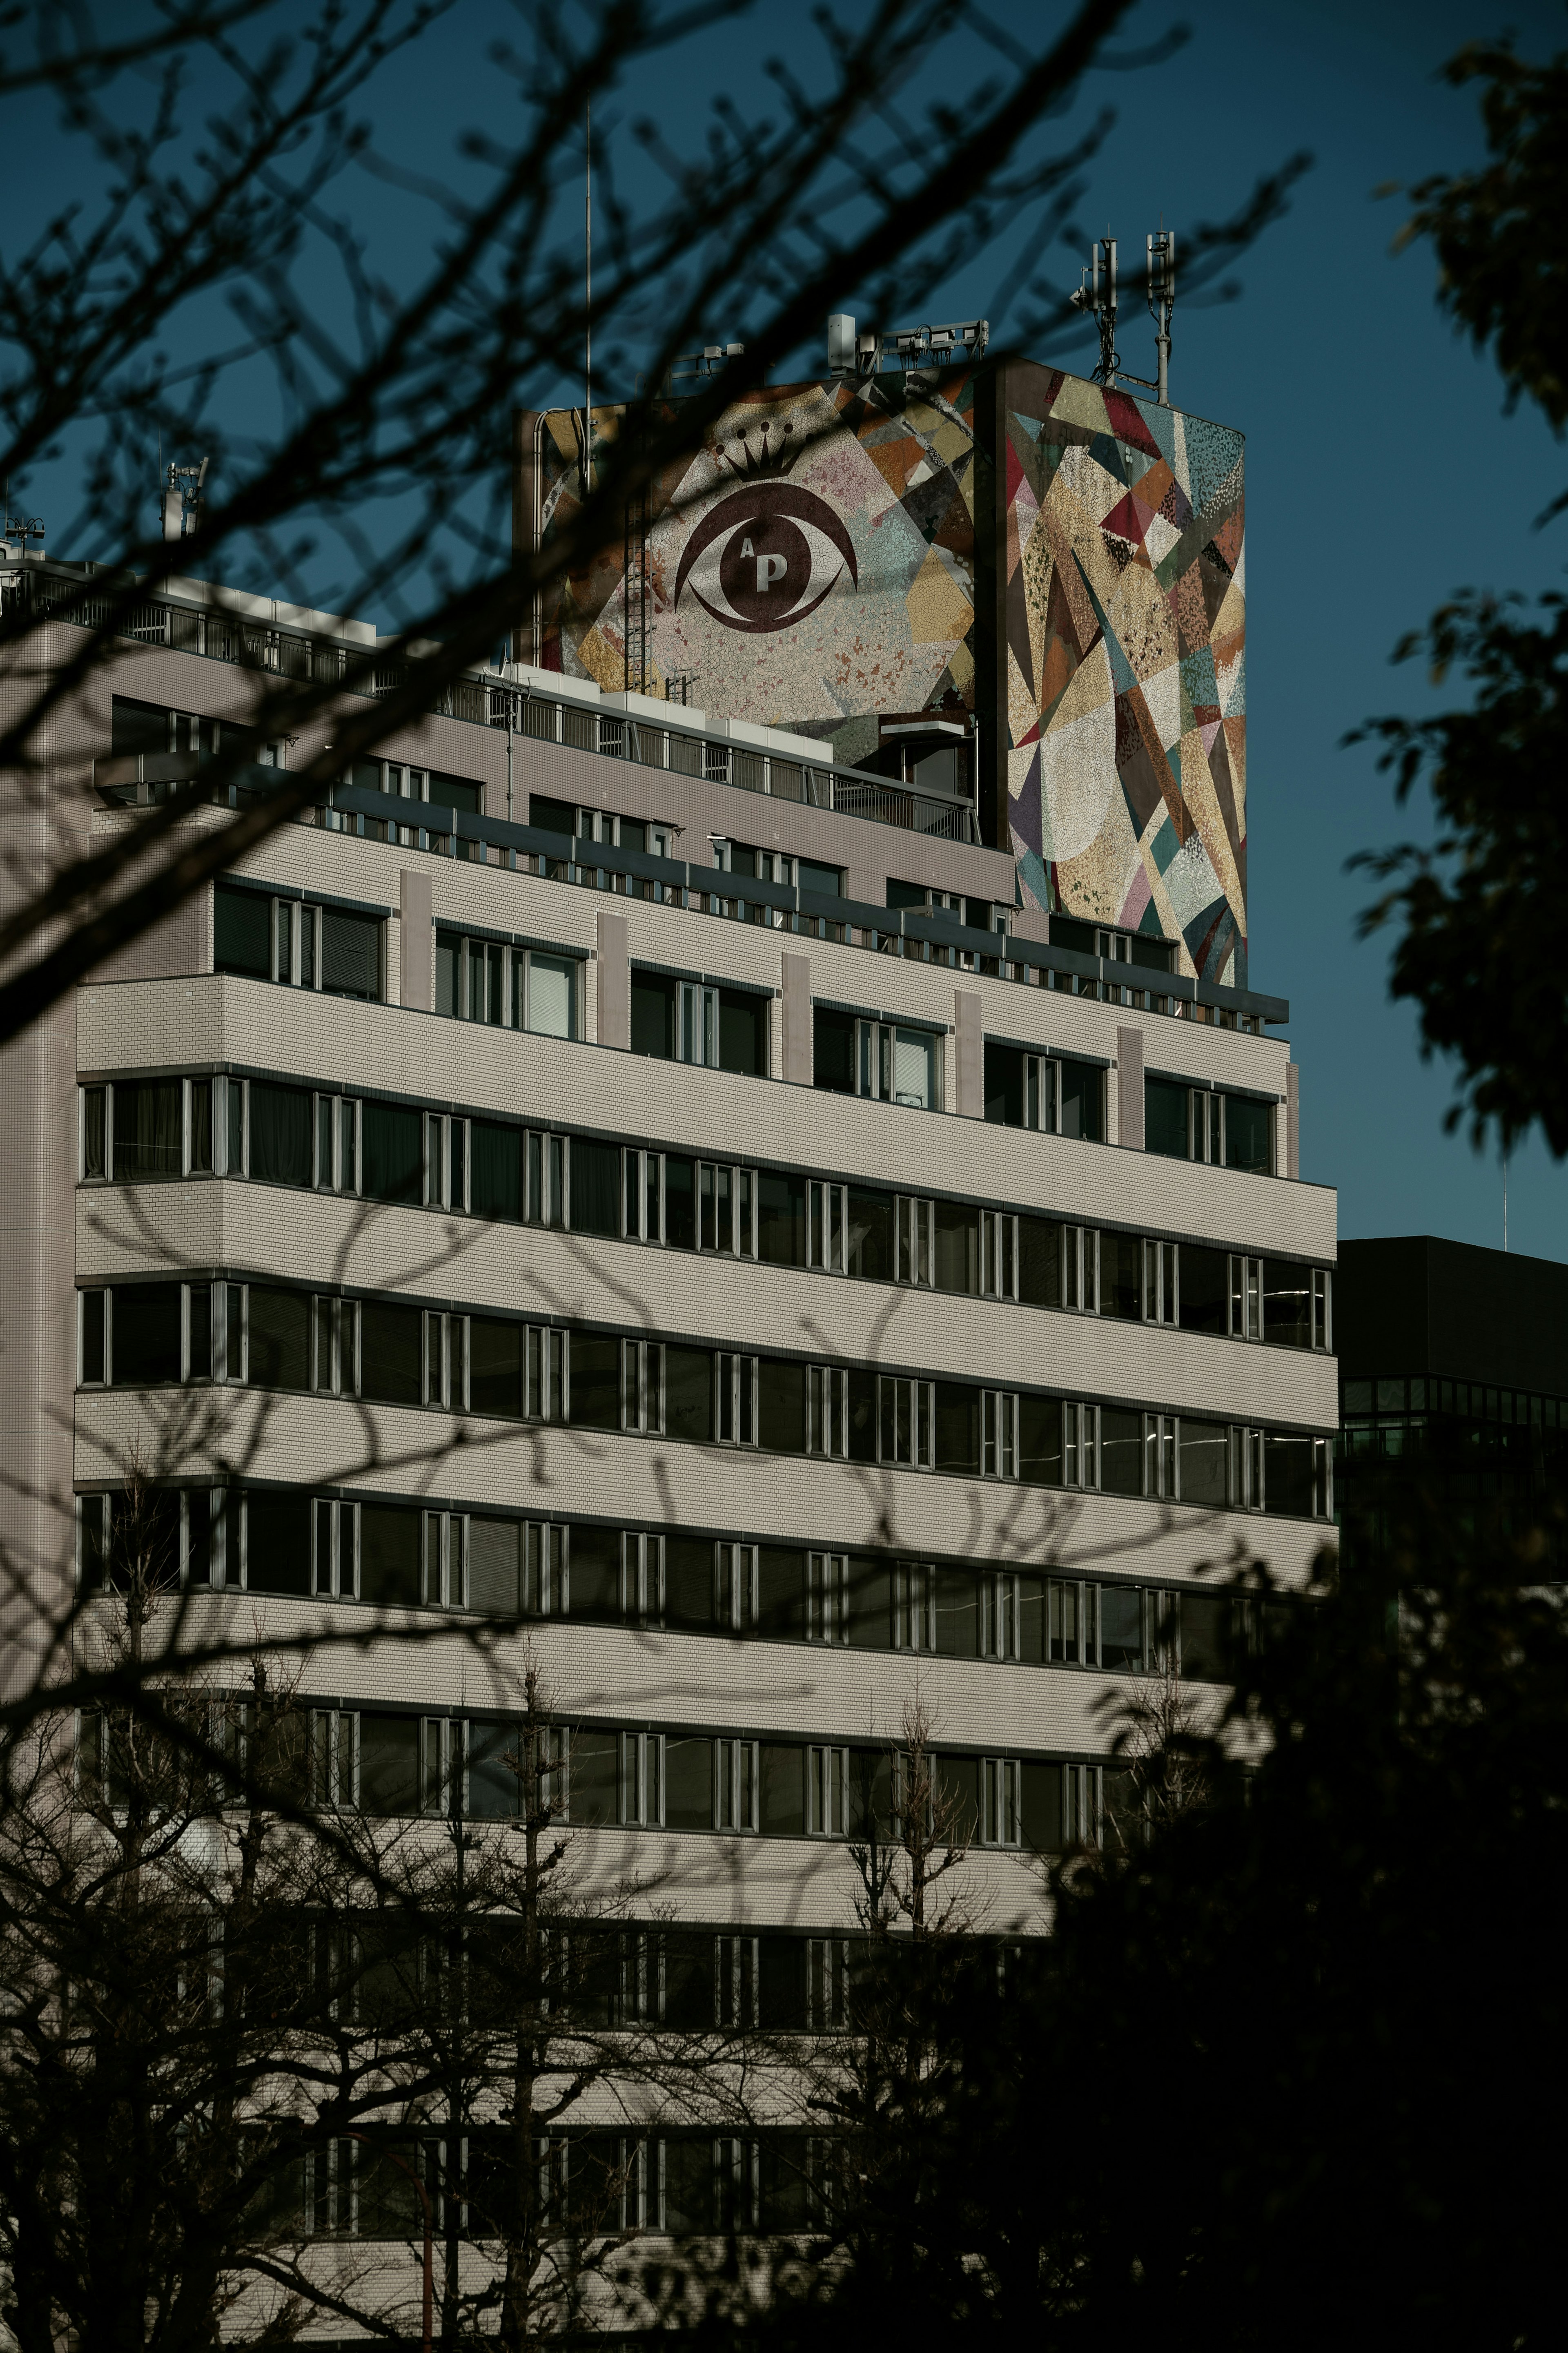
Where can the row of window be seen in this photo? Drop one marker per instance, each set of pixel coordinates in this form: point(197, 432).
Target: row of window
point(137, 1129)
point(146, 1334)
point(704, 1023)
point(395, 1767)
point(589, 2184)
point(396, 1555)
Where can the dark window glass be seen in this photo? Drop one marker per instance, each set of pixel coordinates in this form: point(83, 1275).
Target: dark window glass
point(833, 1050)
point(448, 968)
point(202, 1124)
point(653, 1015)
point(871, 1238)
point(389, 1764)
point(147, 1333)
point(280, 1339)
point(781, 1583)
point(679, 1202)
point(1120, 1275)
point(496, 1358)
point(862, 1414)
point(393, 1162)
point(1204, 1448)
point(1166, 1118)
point(780, 1406)
point(595, 1381)
point(958, 1784)
point(957, 1427)
point(92, 1325)
point(1155, 956)
point(689, 2205)
point(279, 1134)
point(871, 1604)
point(811, 876)
point(492, 1793)
point(456, 793)
point(145, 1540)
point(242, 933)
point(687, 1966)
point(689, 1783)
point(1040, 1262)
point(634, 833)
point(783, 1791)
point(687, 1581)
point(1121, 1625)
point(594, 1772)
point(1206, 1619)
point(1246, 1134)
point(552, 815)
point(689, 1393)
point(1287, 1303)
point(148, 1127)
point(495, 1560)
point(1081, 1102)
point(1042, 1809)
point(906, 894)
point(1125, 1817)
point(277, 1544)
point(595, 1557)
point(957, 1614)
point(137, 727)
point(390, 1355)
point(1066, 932)
point(596, 1189)
point(94, 1139)
point(1205, 1281)
point(781, 1983)
point(957, 1247)
point(742, 1033)
point(389, 1557)
point(1120, 1453)
point(495, 1175)
point(1004, 1085)
point(199, 1516)
point(351, 954)
point(1040, 1440)
point(781, 1217)
point(1286, 1471)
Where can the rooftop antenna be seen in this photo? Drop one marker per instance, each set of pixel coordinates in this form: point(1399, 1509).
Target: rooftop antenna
point(183, 500)
point(19, 529)
point(1098, 296)
point(1162, 303)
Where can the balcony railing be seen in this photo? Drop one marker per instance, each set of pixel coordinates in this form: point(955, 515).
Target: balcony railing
point(545, 718)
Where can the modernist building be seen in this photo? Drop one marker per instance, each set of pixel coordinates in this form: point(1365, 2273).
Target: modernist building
point(1453, 1379)
point(848, 1270)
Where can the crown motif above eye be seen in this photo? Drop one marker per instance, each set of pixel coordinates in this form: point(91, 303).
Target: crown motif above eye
point(765, 453)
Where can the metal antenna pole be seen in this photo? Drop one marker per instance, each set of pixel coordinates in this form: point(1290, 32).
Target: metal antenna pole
point(1162, 303)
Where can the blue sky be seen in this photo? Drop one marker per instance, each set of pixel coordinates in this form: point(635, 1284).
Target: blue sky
point(1383, 473)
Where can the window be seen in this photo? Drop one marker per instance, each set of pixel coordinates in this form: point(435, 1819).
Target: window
point(1203, 1301)
point(999, 1812)
point(1183, 1122)
point(146, 1130)
point(905, 1417)
point(825, 1232)
point(546, 994)
point(726, 1210)
point(915, 1229)
point(871, 1246)
point(1001, 1634)
point(642, 1385)
point(337, 950)
point(734, 1398)
point(914, 1606)
point(828, 1598)
point(998, 1254)
point(1203, 1450)
point(701, 1022)
point(1160, 1457)
point(833, 1050)
point(1080, 1445)
point(827, 1411)
point(547, 1161)
point(1122, 1276)
point(897, 1064)
point(827, 1786)
point(1162, 1297)
point(1295, 1304)
point(1121, 1450)
point(999, 1434)
point(643, 1198)
point(737, 1779)
point(735, 1586)
point(337, 1125)
point(1247, 1298)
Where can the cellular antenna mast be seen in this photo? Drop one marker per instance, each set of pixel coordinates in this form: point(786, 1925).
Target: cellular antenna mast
point(1098, 296)
point(182, 499)
point(1162, 303)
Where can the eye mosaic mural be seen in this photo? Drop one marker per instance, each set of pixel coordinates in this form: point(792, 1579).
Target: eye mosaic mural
point(1057, 564)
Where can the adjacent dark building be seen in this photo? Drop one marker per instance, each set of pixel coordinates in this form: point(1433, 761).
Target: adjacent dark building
point(1454, 1368)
